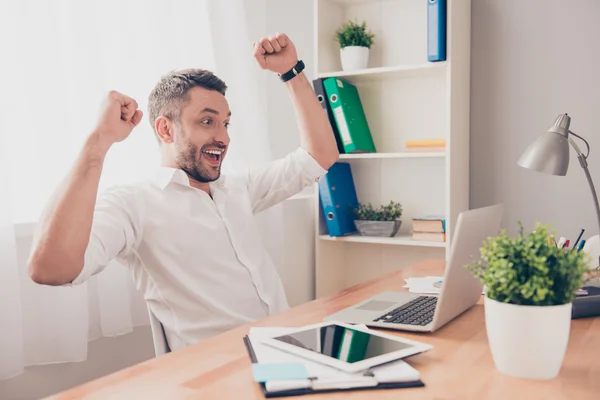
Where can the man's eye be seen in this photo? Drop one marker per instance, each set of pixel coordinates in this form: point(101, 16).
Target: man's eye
point(227, 124)
point(206, 121)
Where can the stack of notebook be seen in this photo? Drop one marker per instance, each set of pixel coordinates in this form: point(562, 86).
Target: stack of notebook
point(430, 228)
point(282, 374)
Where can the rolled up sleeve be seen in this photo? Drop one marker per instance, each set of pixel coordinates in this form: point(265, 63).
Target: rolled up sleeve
point(114, 231)
point(283, 178)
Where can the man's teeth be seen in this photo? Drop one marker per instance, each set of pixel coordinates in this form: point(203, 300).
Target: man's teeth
point(215, 152)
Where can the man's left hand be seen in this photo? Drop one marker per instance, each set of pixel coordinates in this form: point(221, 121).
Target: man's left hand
point(276, 53)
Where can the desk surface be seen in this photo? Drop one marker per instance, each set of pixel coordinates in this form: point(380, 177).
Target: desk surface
point(460, 365)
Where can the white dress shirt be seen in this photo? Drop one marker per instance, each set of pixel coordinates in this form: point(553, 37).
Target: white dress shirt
point(198, 261)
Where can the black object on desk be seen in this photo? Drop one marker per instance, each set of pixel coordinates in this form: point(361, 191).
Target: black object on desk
point(587, 305)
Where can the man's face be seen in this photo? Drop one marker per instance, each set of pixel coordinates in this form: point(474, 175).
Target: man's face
point(201, 137)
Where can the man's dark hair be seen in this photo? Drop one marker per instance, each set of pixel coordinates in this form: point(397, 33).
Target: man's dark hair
point(171, 92)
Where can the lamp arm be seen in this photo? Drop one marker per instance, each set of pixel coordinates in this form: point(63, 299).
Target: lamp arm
point(583, 162)
point(587, 145)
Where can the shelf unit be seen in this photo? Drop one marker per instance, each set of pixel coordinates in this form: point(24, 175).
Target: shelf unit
point(405, 97)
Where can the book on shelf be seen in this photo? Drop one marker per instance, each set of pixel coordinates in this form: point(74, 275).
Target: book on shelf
point(431, 228)
point(425, 145)
point(429, 223)
point(351, 121)
point(429, 236)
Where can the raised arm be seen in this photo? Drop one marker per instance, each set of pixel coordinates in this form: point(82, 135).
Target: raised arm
point(278, 54)
point(63, 233)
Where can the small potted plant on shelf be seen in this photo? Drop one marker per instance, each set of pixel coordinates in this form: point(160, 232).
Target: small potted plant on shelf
point(355, 42)
point(384, 221)
point(531, 285)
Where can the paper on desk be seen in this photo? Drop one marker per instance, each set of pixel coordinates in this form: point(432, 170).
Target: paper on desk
point(397, 371)
point(426, 285)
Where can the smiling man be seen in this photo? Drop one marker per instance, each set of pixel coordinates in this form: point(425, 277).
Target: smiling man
point(188, 236)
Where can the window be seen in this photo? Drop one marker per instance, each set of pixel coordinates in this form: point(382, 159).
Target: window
point(59, 60)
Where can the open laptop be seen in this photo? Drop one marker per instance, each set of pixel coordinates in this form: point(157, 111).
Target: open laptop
point(460, 289)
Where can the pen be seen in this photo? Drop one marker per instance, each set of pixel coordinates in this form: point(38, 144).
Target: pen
point(578, 238)
point(561, 242)
point(581, 244)
point(566, 245)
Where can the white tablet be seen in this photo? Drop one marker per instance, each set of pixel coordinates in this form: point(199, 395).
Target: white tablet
point(350, 348)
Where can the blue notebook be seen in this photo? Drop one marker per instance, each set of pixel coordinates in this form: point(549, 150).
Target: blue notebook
point(338, 199)
point(436, 30)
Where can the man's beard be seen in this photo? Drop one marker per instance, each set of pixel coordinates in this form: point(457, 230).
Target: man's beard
point(189, 159)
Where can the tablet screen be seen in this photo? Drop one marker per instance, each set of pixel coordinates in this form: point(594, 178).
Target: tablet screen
point(345, 344)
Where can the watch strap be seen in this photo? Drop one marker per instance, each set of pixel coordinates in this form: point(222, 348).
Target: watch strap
point(299, 67)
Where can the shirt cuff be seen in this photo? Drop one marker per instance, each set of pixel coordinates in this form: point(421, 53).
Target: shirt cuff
point(311, 167)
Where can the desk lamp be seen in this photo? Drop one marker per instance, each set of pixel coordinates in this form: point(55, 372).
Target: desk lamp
point(549, 154)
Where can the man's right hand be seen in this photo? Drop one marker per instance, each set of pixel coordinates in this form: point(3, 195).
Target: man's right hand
point(119, 116)
point(63, 234)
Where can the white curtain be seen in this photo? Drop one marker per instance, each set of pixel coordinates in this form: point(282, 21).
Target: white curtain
point(60, 57)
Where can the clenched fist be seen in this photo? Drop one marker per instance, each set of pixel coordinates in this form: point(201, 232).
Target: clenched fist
point(119, 116)
point(276, 53)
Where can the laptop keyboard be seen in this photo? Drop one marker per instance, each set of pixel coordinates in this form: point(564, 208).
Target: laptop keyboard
point(418, 311)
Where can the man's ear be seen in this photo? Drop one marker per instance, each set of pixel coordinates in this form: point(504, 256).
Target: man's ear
point(164, 129)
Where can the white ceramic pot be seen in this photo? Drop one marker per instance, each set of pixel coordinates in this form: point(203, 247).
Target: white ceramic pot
point(354, 57)
point(527, 341)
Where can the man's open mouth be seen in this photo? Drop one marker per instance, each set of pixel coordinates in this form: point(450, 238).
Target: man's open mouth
point(213, 155)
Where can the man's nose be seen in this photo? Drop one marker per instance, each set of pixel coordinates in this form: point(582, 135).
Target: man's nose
point(222, 135)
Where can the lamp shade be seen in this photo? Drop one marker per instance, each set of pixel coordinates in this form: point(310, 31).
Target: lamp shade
point(549, 153)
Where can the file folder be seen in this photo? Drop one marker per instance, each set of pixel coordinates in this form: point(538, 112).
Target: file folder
point(350, 118)
point(338, 199)
point(322, 97)
point(436, 30)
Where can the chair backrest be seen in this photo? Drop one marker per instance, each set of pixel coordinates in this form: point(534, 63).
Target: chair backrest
point(161, 345)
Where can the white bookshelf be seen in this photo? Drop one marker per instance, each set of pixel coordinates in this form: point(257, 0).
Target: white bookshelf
point(405, 97)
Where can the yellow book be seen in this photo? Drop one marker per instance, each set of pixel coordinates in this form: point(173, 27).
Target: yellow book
point(425, 143)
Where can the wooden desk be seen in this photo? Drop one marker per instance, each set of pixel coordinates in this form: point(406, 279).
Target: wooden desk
point(460, 365)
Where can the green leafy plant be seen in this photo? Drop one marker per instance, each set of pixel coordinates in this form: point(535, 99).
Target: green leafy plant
point(390, 212)
point(528, 269)
point(353, 34)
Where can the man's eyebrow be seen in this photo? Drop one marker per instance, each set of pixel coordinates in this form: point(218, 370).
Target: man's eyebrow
point(213, 111)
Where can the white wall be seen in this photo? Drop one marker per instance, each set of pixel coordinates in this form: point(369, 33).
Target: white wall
point(531, 61)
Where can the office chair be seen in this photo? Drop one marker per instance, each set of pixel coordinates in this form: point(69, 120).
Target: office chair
point(161, 345)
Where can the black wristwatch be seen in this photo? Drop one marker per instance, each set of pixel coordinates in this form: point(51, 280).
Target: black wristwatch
point(293, 72)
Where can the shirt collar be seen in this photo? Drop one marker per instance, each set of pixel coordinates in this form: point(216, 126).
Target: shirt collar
point(166, 175)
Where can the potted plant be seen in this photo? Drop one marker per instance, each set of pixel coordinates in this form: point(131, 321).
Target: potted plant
point(355, 42)
point(531, 285)
point(384, 221)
